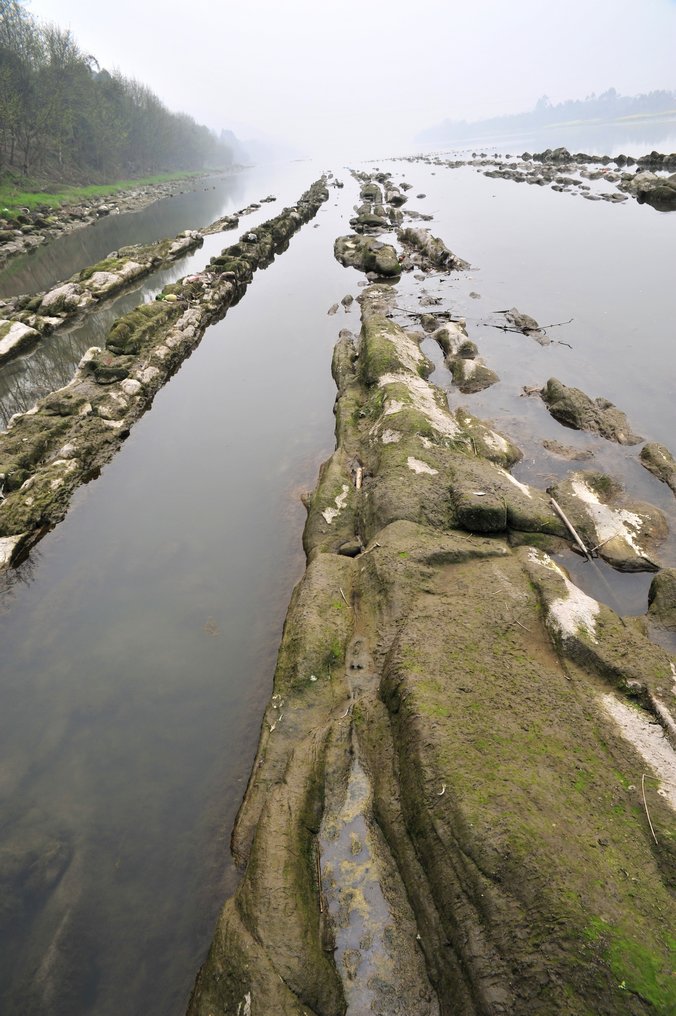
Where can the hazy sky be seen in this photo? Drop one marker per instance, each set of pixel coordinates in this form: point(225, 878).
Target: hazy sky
point(366, 76)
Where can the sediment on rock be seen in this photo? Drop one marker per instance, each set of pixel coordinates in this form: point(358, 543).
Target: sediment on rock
point(624, 533)
point(445, 701)
point(50, 450)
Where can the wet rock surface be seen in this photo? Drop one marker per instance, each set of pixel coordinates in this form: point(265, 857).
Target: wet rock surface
point(446, 771)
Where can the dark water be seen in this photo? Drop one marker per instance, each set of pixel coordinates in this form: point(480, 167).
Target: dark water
point(138, 641)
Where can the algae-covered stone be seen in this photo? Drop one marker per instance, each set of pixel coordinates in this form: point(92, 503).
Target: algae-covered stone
point(662, 599)
point(573, 408)
point(471, 375)
point(368, 255)
point(130, 333)
point(660, 462)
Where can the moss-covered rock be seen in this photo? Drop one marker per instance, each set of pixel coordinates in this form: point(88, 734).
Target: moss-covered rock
point(660, 462)
point(367, 255)
point(573, 408)
point(662, 599)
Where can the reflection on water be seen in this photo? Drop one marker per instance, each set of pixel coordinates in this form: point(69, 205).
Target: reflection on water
point(65, 255)
point(51, 364)
point(138, 652)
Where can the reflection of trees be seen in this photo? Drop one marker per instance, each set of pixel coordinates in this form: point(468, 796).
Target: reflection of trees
point(22, 575)
point(52, 363)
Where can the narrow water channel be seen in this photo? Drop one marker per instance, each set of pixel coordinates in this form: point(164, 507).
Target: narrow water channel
point(138, 645)
point(51, 363)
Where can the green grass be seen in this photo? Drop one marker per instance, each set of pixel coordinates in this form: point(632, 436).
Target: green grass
point(12, 198)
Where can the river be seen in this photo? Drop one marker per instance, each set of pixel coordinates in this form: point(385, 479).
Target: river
point(138, 640)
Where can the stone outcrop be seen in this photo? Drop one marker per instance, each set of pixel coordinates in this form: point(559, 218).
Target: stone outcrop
point(660, 462)
point(444, 799)
point(367, 254)
point(573, 408)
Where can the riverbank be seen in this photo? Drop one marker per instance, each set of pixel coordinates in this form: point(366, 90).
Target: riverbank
point(463, 794)
point(29, 219)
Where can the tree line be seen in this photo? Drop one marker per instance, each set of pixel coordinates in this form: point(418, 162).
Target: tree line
point(64, 117)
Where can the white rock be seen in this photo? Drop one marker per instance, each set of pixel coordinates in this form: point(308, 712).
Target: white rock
point(8, 545)
point(17, 336)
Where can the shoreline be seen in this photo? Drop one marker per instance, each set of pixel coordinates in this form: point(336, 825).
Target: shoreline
point(29, 229)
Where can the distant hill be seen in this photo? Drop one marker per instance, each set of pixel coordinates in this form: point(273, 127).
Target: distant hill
point(609, 106)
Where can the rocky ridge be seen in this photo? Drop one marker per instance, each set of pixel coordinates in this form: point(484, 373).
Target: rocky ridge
point(446, 812)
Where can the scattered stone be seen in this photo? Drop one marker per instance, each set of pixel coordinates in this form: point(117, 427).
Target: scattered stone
point(526, 324)
point(566, 452)
point(573, 408)
point(660, 462)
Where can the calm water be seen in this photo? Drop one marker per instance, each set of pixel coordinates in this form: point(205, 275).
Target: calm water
point(138, 641)
point(34, 272)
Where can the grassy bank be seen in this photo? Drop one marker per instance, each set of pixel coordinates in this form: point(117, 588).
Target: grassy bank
point(33, 194)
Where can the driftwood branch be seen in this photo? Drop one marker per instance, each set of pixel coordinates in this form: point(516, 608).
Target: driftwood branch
point(645, 805)
point(569, 526)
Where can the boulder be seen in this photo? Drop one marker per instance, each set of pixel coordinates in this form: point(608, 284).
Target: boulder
point(367, 254)
point(573, 408)
point(660, 462)
point(15, 336)
point(662, 599)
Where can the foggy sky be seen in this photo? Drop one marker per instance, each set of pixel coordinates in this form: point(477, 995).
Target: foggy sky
point(364, 77)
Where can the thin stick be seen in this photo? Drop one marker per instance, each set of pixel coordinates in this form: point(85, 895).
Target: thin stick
point(319, 884)
point(376, 544)
point(532, 328)
point(560, 512)
point(343, 595)
point(645, 805)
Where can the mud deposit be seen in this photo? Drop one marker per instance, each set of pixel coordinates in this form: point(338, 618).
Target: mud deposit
point(462, 797)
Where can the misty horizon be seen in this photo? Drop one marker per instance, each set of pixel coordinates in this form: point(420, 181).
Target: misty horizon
point(368, 80)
